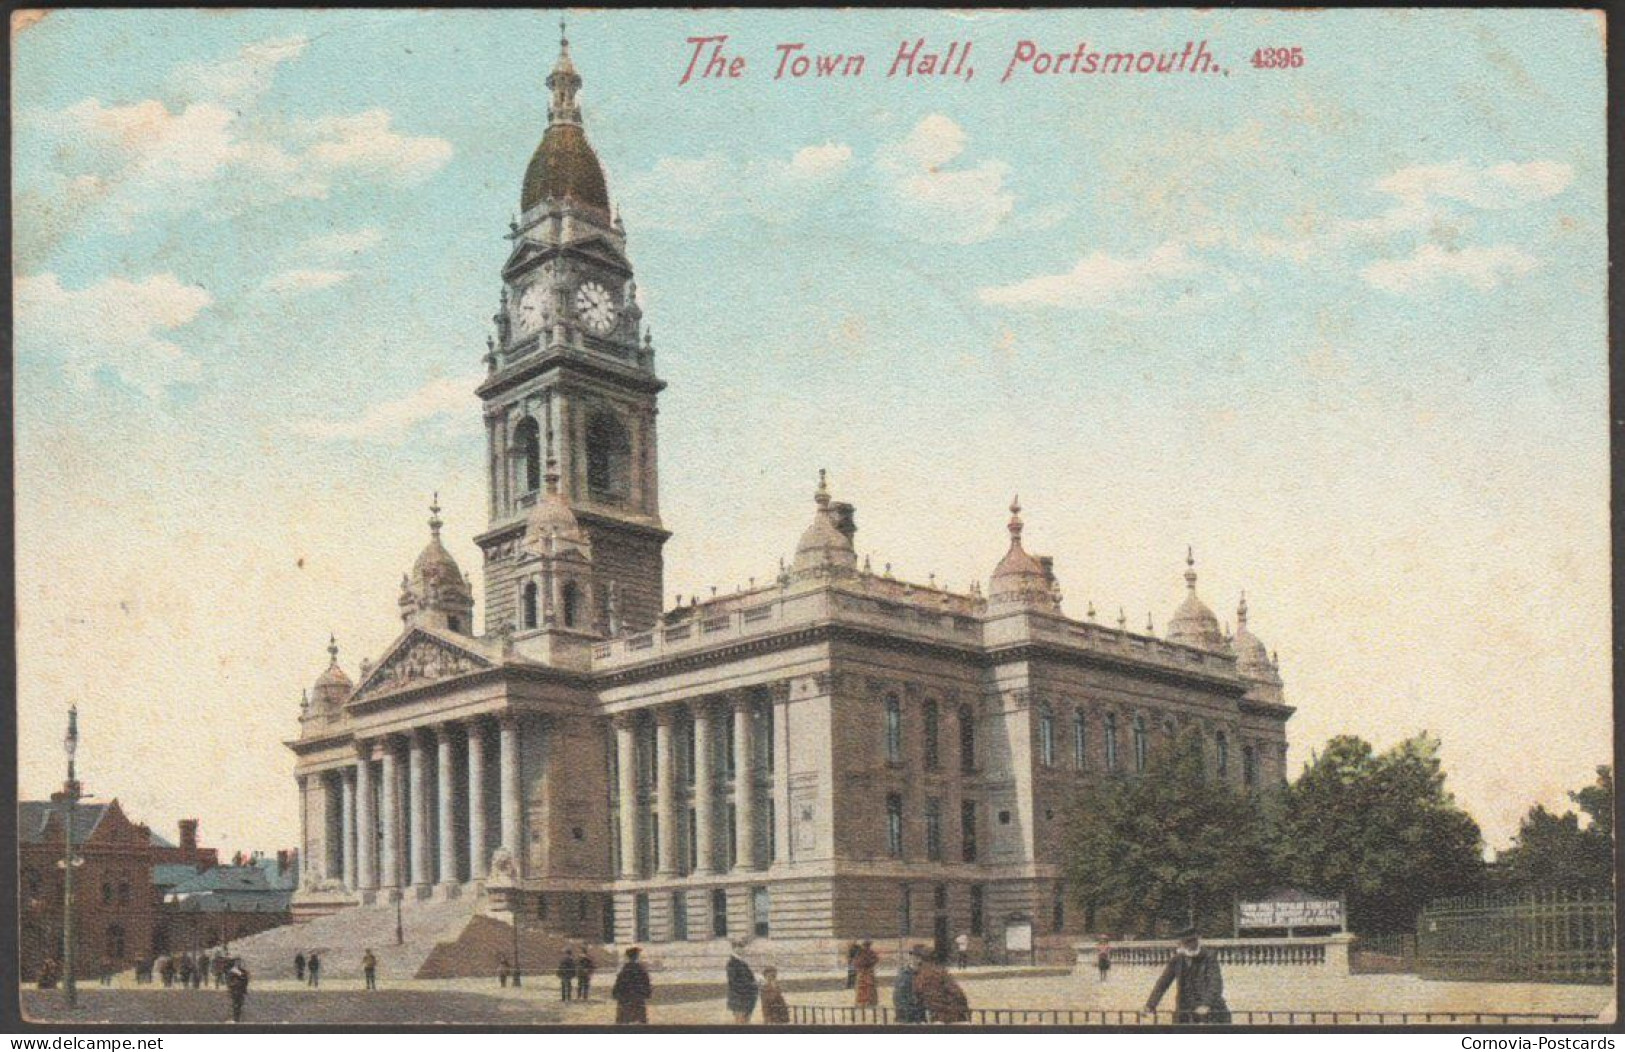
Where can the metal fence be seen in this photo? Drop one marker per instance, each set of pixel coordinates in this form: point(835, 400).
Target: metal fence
point(842, 1015)
point(1384, 954)
point(1556, 936)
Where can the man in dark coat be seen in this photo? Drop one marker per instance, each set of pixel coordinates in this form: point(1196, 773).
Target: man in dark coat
point(1199, 997)
point(313, 969)
point(632, 990)
point(742, 987)
point(299, 966)
point(369, 969)
point(567, 973)
point(184, 970)
point(237, 987)
point(585, 966)
point(905, 1003)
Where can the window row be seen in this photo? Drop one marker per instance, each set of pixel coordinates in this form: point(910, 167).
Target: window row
point(933, 828)
point(1140, 741)
point(931, 732)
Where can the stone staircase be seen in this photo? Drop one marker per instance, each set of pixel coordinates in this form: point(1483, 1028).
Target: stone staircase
point(342, 937)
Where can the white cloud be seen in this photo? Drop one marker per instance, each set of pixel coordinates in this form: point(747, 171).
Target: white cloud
point(1424, 194)
point(691, 195)
point(934, 203)
point(114, 324)
point(365, 143)
point(1097, 280)
point(342, 243)
point(1483, 268)
point(244, 76)
point(449, 400)
point(297, 281)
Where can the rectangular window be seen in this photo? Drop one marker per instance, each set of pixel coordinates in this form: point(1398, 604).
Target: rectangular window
point(654, 842)
point(939, 897)
point(976, 909)
point(764, 739)
point(689, 755)
point(728, 743)
point(931, 758)
point(609, 919)
point(679, 916)
point(1046, 738)
point(719, 913)
point(967, 831)
point(733, 835)
point(1080, 742)
point(933, 829)
point(967, 739)
point(759, 909)
point(640, 917)
point(1111, 743)
point(905, 913)
point(1058, 911)
point(894, 730)
point(693, 841)
point(894, 825)
point(772, 832)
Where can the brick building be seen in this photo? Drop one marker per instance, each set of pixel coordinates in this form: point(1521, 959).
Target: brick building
point(834, 754)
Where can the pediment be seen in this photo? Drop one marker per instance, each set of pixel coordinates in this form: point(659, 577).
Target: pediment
point(524, 255)
point(419, 657)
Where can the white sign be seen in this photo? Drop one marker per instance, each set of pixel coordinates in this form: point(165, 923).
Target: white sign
point(1018, 936)
point(1325, 913)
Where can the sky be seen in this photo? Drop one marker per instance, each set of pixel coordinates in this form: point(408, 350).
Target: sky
point(1339, 327)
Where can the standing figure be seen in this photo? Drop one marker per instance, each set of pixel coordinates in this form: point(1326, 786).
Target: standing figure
point(184, 970)
point(742, 987)
point(369, 969)
point(107, 970)
point(962, 949)
point(632, 991)
point(903, 999)
point(567, 973)
point(1199, 997)
point(200, 971)
point(774, 1009)
point(503, 968)
point(940, 995)
point(166, 970)
point(237, 988)
point(864, 966)
point(313, 969)
point(585, 966)
point(1103, 957)
point(299, 966)
point(852, 952)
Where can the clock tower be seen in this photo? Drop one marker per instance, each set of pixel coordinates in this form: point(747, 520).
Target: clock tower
point(570, 382)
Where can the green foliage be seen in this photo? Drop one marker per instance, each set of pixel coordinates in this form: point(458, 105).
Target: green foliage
point(1379, 829)
point(1553, 852)
point(1165, 849)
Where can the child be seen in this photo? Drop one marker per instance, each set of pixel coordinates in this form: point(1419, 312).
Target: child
point(774, 1010)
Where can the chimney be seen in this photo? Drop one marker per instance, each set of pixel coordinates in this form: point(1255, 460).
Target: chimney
point(188, 834)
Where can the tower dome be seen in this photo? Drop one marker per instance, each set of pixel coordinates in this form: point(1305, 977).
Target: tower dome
point(436, 592)
point(1252, 657)
point(825, 546)
point(1021, 579)
point(564, 165)
point(552, 516)
point(333, 685)
point(1193, 624)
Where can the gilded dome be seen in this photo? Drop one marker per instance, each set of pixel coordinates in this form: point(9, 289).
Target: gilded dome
point(564, 165)
point(1193, 624)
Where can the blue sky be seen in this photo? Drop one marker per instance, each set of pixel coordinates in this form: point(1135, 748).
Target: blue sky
point(1341, 327)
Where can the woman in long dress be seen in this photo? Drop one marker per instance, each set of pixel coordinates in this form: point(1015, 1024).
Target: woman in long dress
point(865, 963)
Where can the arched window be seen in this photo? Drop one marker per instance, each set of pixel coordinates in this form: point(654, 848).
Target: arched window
point(930, 721)
point(1249, 767)
point(107, 894)
point(1080, 741)
point(1222, 745)
point(1111, 741)
point(527, 440)
point(1046, 736)
point(1139, 743)
point(967, 739)
point(609, 458)
point(570, 597)
point(530, 604)
point(894, 729)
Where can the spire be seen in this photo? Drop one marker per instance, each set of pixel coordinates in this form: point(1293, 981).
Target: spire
point(822, 496)
point(564, 82)
point(1241, 613)
point(1015, 519)
point(332, 649)
point(1190, 569)
point(434, 516)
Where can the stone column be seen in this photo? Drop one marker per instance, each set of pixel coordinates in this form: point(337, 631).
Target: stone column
point(666, 789)
point(508, 758)
point(705, 790)
point(626, 761)
point(445, 800)
point(744, 783)
point(781, 772)
point(366, 842)
point(478, 855)
point(391, 792)
point(347, 827)
point(418, 814)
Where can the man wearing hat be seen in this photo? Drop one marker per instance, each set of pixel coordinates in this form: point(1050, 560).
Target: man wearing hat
point(632, 990)
point(1200, 994)
point(903, 998)
point(742, 986)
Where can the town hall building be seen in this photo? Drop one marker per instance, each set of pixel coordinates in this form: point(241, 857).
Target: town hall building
point(836, 754)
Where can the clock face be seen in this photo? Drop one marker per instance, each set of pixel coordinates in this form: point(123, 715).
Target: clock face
point(535, 307)
point(596, 307)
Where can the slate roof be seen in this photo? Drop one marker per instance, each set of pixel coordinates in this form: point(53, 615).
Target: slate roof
point(34, 815)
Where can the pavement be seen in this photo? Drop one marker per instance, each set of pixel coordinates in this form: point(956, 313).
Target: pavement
point(694, 1001)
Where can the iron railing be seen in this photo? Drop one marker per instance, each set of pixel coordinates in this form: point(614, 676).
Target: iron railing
point(846, 1015)
point(1555, 936)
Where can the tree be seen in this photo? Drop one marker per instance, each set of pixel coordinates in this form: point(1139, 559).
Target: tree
point(1171, 847)
point(1554, 852)
point(1379, 829)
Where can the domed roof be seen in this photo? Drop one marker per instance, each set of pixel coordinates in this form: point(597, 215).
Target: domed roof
point(1020, 579)
point(1193, 624)
point(552, 515)
point(1252, 657)
point(564, 165)
point(333, 685)
point(823, 544)
point(435, 568)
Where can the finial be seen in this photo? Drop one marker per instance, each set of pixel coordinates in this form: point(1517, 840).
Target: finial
point(1122, 619)
point(1241, 611)
point(304, 698)
point(888, 569)
point(1190, 568)
point(932, 578)
point(564, 40)
point(1150, 627)
point(822, 496)
point(333, 648)
point(1091, 612)
point(434, 515)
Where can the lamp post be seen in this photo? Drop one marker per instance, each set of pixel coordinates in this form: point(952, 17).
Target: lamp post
point(70, 801)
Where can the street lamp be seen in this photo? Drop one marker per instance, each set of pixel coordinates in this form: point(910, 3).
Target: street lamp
point(70, 800)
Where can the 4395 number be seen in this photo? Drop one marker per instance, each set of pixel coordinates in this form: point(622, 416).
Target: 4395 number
point(1278, 58)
